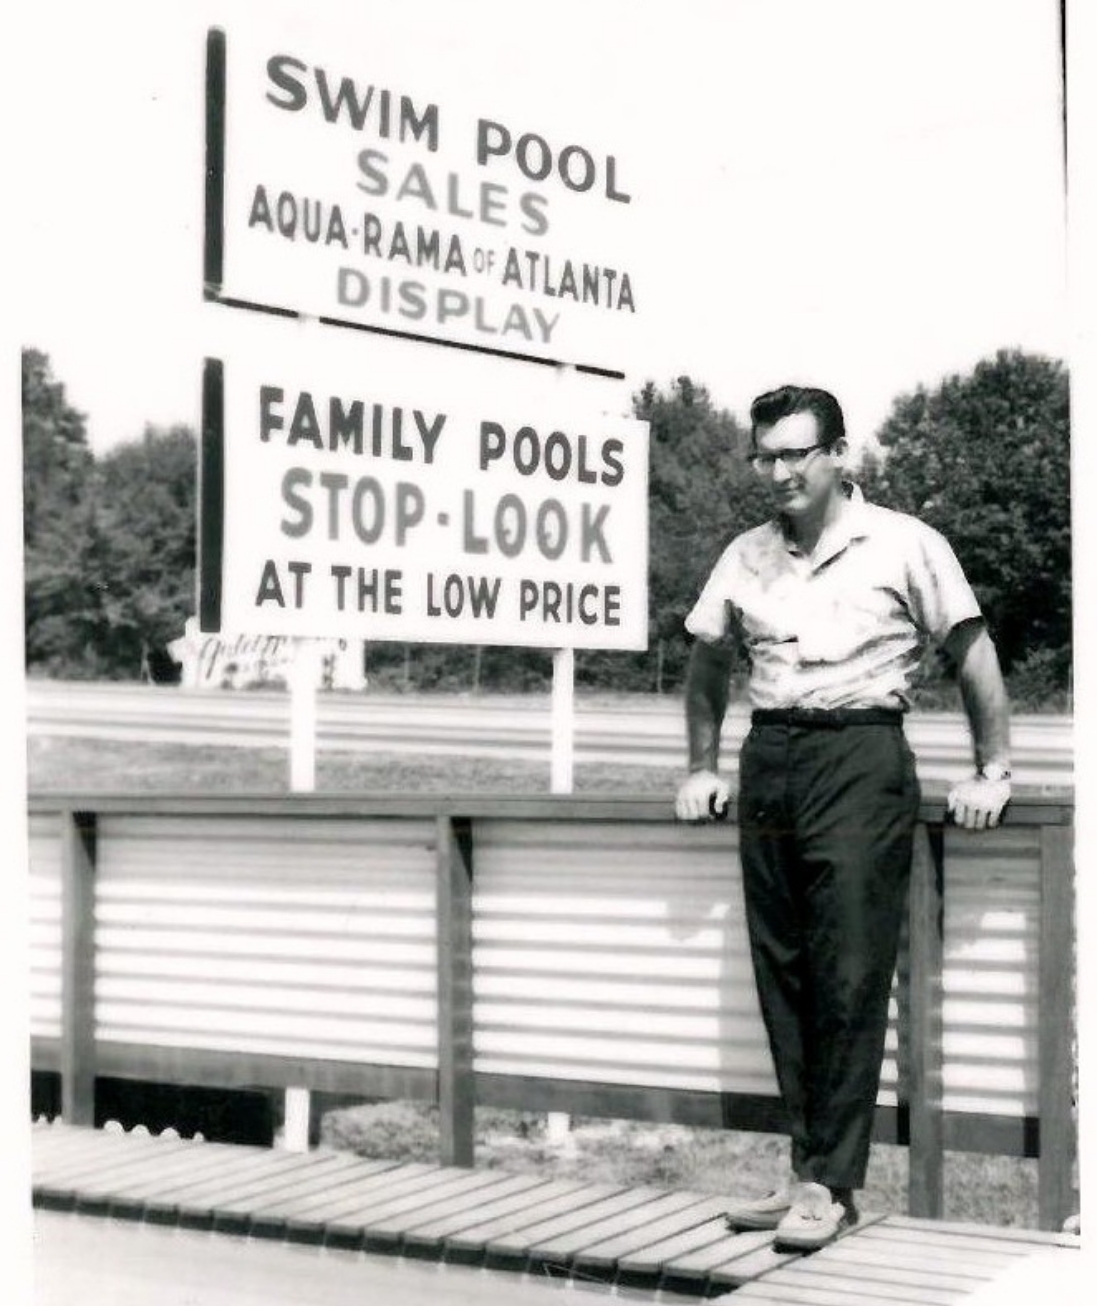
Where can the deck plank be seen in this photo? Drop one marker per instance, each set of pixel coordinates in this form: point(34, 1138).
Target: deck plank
point(698, 1265)
point(238, 1211)
point(657, 1257)
point(122, 1174)
point(573, 1244)
point(193, 1198)
point(453, 1232)
point(49, 1140)
point(913, 1268)
point(765, 1260)
point(704, 1209)
point(315, 1215)
point(555, 1197)
point(161, 1201)
point(807, 1275)
point(1044, 1237)
point(72, 1169)
point(272, 1220)
point(448, 1183)
point(269, 1213)
point(66, 1145)
point(430, 1228)
point(947, 1241)
point(520, 1243)
point(792, 1295)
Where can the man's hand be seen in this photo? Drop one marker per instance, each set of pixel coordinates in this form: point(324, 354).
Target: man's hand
point(977, 804)
point(701, 797)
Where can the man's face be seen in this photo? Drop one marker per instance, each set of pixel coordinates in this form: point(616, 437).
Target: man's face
point(799, 474)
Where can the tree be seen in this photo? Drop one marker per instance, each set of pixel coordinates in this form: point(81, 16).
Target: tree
point(147, 490)
point(109, 546)
point(985, 458)
point(701, 493)
point(62, 593)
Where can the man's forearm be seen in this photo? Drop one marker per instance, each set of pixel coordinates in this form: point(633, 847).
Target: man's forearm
point(706, 703)
point(986, 704)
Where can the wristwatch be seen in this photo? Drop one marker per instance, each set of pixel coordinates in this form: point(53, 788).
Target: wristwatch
point(994, 771)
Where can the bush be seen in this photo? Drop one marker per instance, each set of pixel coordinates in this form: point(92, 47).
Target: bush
point(1041, 682)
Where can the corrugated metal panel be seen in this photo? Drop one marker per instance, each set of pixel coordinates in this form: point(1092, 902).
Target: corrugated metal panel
point(615, 954)
point(288, 936)
point(618, 954)
point(605, 952)
point(991, 972)
point(44, 941)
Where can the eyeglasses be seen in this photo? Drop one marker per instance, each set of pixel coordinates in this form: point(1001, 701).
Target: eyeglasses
point(792, 460)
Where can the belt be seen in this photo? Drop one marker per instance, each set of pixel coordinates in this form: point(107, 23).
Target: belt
point(827, 718)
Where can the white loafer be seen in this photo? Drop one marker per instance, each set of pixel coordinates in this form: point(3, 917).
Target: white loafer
point(814, 1219)
point(762, 1213)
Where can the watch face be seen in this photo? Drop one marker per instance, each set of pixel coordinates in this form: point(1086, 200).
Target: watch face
point(992, 771)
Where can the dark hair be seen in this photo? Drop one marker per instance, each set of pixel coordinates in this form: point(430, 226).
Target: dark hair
point(789, 399)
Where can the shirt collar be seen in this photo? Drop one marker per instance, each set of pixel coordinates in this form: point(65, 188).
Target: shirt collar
point(852, 524)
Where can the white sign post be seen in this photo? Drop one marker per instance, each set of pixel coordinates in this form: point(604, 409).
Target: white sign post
point(303, 677)
point(563, 720)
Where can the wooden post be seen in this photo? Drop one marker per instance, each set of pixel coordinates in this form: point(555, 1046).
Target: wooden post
point(456, 1085)
point(304, 669)
point(1055, 1184)
point(562, 782)
point(925, 1192)
point(78, 968)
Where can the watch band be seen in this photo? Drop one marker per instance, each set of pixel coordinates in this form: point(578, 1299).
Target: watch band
point(994, 771)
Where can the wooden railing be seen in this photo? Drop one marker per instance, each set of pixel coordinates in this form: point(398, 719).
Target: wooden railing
point(580, 954)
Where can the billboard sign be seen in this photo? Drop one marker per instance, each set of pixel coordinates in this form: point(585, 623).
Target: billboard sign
point(348, 501)
point(353, 186)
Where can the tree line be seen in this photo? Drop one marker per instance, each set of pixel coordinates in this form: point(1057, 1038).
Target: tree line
point(109, 540)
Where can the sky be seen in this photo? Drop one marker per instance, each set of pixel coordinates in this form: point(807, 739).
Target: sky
point(861, 195)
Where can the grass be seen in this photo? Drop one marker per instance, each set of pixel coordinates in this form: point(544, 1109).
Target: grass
point(988, 1189)
point(57, 763)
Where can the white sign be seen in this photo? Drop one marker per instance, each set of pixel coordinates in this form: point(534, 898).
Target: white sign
point(380, 505)
point(354, 193)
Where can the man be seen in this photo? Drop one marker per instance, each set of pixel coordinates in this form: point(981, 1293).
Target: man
point(835, 602)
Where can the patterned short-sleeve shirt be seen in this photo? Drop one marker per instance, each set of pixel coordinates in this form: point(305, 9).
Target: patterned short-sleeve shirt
point(846, 626)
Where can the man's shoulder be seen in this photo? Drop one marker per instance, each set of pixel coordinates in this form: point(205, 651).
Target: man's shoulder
point(896, 524)
point(750, 547)
point(760, 536)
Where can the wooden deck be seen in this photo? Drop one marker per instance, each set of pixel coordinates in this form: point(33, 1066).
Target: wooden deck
point(640, 1238)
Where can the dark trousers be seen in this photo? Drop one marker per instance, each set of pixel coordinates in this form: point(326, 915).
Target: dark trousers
point(827, 821)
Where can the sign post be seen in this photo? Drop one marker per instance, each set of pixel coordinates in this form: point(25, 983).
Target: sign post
point(563, 720)
point(304, 672)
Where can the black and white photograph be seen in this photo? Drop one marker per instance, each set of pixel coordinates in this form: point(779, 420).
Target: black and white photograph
point(544, 609)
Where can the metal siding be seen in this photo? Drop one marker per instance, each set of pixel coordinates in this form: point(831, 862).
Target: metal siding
point(619, 954)
point(289, 936)
point(606, 952)
point(990, 983)
point(44, 941)
point(616, 954)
